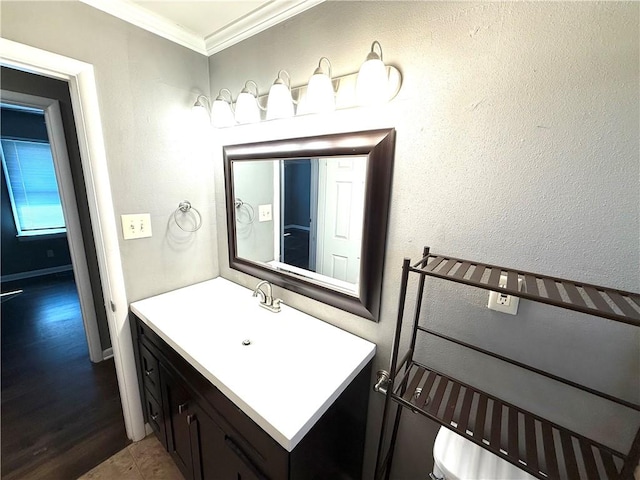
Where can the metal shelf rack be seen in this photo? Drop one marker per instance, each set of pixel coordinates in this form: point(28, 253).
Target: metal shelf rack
point(540, 447)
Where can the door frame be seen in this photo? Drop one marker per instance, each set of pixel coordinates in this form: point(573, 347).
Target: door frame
point(62, 168)
point(86, 112)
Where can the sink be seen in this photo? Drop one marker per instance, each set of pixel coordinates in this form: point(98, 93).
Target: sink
point(291, 371)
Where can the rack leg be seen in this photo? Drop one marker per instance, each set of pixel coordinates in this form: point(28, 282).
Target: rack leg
point(382, 464)
point(394, 436)
point(633, 459)
point(381, 460)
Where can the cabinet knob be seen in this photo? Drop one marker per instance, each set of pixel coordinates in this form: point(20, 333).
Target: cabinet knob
point(190, 419)
point(183, 407)
point(148, 372)
point(154, 416)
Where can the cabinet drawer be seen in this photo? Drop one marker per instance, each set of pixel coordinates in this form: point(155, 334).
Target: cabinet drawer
point(145, 333)
point(150, 372)
point(155, 416)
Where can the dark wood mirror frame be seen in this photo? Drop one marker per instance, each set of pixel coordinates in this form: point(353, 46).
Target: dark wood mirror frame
point(378, 146)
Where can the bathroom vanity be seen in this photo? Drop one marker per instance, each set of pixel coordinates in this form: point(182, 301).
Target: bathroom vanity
point(235, 391)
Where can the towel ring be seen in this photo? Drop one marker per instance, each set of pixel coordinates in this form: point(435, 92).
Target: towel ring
point(239, 204)
point(184, 208)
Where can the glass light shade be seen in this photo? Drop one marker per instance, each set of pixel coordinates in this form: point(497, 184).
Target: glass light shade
point(221, 114)
point(320, 95)
point(372, 83)
point(279, 102)
point(200, 115)
point(247, 109)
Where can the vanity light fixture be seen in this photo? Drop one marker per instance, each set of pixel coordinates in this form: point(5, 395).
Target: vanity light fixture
point(372, 85)
point(221, 111)
point(280, 101)
point(247, 106)
point(321, 96)
point(201, 110)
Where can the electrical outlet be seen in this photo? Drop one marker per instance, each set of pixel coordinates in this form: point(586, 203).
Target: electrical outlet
point(264, 213)
point(136, 226)
point(501, 302)
point(503, 299)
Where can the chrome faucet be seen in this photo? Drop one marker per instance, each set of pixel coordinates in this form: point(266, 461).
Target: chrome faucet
point(266, 299)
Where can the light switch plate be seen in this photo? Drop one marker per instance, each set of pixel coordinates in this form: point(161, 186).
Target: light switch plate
point(264, 213)
point(136, 226)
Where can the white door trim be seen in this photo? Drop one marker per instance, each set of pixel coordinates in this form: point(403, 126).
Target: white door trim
point(84, 99)
point(55, 132)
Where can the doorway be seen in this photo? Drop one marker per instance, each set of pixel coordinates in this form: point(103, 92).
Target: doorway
point(86, 112)
point(299, 213)
point(61, 410)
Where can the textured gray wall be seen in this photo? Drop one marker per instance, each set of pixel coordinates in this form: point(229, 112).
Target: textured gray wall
point(146, 87)
point(517, 144)
point(517, 129)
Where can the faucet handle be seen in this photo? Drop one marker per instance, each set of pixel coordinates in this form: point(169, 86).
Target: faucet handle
point(276, 304)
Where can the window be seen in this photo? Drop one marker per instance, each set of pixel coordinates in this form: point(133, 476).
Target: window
point(33, 189)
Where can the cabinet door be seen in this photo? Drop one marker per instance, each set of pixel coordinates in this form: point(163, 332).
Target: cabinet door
point(178, 418)
point(216, 456)
point(239, 463)
point(208, 453)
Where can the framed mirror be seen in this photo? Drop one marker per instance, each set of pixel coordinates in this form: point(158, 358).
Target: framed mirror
point(310, 214)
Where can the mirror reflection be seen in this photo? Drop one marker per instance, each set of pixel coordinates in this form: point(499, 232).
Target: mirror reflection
point(303, 216)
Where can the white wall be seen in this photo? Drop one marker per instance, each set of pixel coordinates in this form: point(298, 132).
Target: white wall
point(146, 87)
point(517, 144)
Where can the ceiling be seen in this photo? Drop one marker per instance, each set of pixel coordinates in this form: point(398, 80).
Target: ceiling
point(205, 26)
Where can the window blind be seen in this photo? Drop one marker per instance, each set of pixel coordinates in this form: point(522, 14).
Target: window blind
point(33, 188)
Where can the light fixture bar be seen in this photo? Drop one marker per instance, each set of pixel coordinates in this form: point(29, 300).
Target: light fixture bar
point(345, 88)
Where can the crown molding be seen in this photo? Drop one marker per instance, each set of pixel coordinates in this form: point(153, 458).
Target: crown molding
point(267, 16)
point(150, 21)
point(257, 21)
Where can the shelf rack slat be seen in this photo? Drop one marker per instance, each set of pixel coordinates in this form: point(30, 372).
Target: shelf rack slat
point(536, 455)
point(604, 302)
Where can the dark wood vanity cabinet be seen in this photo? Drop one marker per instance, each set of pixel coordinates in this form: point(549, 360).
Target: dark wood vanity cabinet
point(209, 437)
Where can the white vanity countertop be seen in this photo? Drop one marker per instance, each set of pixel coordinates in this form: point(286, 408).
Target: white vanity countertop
point(294, 369)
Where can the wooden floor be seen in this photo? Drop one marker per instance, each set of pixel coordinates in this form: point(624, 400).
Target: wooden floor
point(60, 414)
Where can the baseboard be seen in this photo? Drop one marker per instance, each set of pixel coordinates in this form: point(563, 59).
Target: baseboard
point(35, 273)
point(107, 353)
